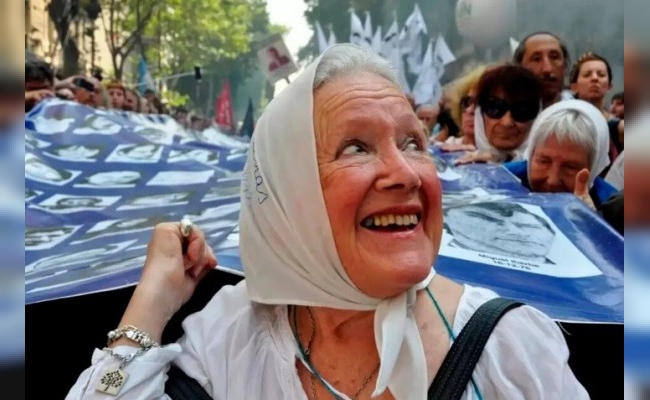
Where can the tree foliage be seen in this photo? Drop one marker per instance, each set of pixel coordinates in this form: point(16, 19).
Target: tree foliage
point(125, 22)
point(228, 52)
point(198, 32)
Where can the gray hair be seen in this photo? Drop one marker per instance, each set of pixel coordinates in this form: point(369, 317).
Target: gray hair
point(568, 126)
point(347, 59)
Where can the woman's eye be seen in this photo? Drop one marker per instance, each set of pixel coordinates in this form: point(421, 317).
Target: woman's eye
point(413, 145)
point(352, 149)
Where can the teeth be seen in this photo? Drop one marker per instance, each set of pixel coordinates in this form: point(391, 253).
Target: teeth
point(391, 219)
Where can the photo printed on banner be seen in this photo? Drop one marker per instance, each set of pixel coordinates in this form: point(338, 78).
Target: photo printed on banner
point(32, 142)
point(66, 204)
point(512, 235)
point(51, 126)
point(223, 189)
point(71, 258)
point(46, 238)
point(31, 194)
point(201, 155)
point(76, 153)
point(154, 135)
point(445, 170)
point(110, 180)
point(178, 178)
point(115, 227)
point(450, 198)
point(226, 211)
point(136, 153)
point(37, 170)
point(98, 268)
point(158, 200)
point(95, 124)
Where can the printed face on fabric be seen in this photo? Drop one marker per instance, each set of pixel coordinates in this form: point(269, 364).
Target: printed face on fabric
point(380, 186)
point(505, 229)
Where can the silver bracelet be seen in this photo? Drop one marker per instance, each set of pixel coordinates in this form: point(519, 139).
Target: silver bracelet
point(133, 334)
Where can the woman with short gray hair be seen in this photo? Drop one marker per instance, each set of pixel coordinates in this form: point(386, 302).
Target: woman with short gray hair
point(340, 224)
point(567, 151)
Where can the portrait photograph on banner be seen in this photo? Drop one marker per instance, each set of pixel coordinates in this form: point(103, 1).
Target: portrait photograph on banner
point(275, 60)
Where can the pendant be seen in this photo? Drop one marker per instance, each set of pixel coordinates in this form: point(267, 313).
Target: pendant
point(112, 382)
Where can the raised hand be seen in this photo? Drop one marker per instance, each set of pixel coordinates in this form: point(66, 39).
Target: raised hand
point(451, 147)
point(476, 157)
point(582, 188)
point(169, 277)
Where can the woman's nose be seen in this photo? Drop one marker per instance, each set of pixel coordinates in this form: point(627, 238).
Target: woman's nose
point(507, 119)
point(398, 172)
point(553, 177)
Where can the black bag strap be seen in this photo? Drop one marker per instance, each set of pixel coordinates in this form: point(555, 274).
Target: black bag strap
point(179, 386)
point(456, 370)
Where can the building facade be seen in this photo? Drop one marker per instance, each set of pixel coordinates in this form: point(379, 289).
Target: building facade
point(41, 38)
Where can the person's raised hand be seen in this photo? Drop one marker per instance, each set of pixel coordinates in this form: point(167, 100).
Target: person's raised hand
point(451, 147)
point(581, 189)
point(476, 157)
point(169, 277)
point(34, 96)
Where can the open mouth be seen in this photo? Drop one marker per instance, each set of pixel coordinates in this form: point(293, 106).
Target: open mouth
point(392, 222)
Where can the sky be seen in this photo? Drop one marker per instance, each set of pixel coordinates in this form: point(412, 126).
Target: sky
point(290, 13)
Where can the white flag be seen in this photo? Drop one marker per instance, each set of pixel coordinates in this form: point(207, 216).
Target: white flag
point(356, 29)
point(377, 41)
point(410, 39)
point(513, 45)
point(322, 42)
point(442, 56)
point(367, 31)
point(427, 89)
point(332, 39)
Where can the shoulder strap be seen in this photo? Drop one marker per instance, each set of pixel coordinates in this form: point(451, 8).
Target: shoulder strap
point(456, 370)
point(179, 386)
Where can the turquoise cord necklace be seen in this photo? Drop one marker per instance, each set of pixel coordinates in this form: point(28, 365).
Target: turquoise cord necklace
point(452, 336)
point(306, 356)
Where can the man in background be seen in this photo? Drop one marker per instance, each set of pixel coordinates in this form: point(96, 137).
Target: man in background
point(546, 56)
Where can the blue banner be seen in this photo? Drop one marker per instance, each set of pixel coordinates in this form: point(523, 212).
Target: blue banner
point(96, 182)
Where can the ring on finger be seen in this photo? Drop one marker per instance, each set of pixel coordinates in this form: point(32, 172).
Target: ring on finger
point(186, 227)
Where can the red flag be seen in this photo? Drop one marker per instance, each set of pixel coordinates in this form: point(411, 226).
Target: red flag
point(223, 112)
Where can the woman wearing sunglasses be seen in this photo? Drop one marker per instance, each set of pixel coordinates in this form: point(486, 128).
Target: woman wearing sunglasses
point(508, 100)
point(567, 151)
point(462, 104)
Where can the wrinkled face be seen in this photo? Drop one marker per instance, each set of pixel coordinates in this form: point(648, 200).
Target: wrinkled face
point(481, 229)
point(502, 130)
point(637, 194)
point(554, 166)
point(380, 187)
point(428, 115)
point(593, 81)
point(467, 107)
point(544, 57)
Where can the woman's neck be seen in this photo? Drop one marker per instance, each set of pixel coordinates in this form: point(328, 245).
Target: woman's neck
point(600, 104)
point(338, 325)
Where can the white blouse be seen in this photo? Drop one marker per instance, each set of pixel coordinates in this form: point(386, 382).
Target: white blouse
point(238, 350)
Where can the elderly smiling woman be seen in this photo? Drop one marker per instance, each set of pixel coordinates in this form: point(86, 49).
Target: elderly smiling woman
point(567, 151)
point(341, 222)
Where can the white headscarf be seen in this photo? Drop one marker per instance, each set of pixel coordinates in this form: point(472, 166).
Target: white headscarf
point(601, 157)
point(287, 247)
point(483, 144)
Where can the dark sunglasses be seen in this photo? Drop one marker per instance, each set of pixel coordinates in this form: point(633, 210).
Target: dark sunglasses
point(466, 102)
point(496, 108)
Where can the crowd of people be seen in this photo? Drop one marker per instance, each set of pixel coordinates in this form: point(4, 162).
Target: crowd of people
point(92, 90)
point(542, 116)
point(341, 221)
